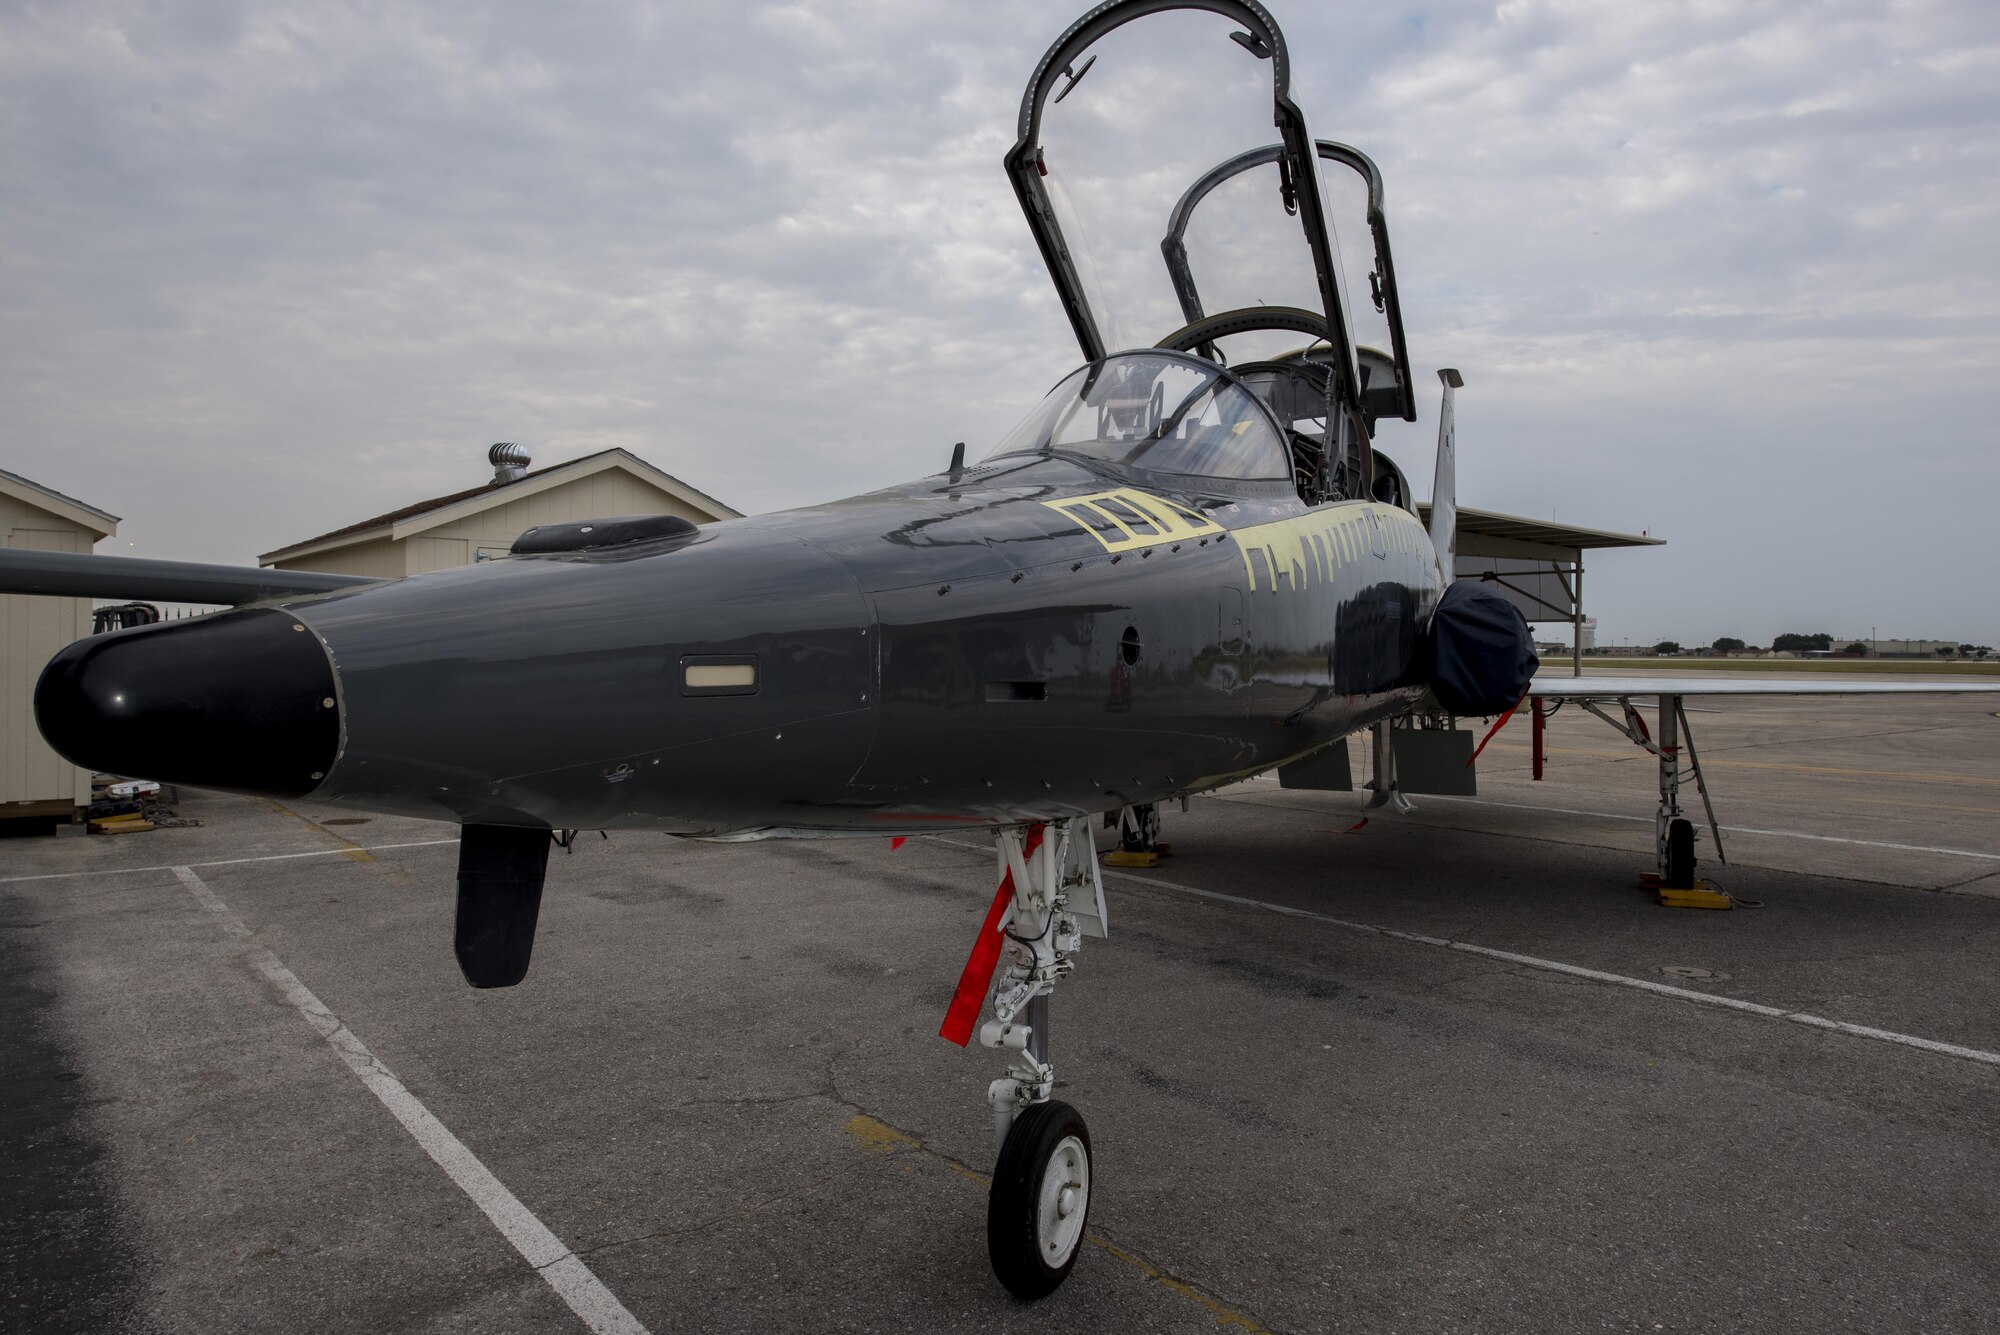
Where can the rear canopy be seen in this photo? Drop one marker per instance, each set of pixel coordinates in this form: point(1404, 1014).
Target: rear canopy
point(1166, 215)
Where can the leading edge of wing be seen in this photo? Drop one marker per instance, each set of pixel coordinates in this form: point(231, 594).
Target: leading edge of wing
point(81, 575)
point(1601, 688)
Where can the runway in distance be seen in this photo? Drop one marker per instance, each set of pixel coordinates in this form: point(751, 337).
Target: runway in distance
point(1186, 566)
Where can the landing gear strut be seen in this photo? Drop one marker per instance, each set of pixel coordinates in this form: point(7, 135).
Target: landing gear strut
point(1386, 792)
point(1040, 1200)
point(1673, 837)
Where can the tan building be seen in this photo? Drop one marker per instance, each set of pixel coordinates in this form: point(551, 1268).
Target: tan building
point(482, 522)
point(35, 781)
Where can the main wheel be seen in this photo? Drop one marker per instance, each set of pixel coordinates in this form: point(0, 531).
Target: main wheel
point(1680, 855)
point(1040, 1199)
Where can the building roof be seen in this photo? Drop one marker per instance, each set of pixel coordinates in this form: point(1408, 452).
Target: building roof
point(100, 522)
point(1518, 528)
point(438, 510)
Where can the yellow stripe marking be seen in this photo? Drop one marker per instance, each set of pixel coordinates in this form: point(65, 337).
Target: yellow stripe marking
point(1307, 549)
point(1924, 806)
point(1170, 522)
point(353, 852)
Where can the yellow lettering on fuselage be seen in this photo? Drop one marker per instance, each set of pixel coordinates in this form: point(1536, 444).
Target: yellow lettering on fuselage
point(1309, 549)
point(1302, 552)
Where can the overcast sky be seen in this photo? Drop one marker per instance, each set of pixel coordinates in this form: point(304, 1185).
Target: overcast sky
point(1724, 272)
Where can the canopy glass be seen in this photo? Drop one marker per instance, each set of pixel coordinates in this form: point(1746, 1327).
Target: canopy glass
point(1119, 121)
point(1158, 412)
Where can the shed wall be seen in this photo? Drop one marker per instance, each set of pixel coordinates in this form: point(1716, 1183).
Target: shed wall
point(378, 558)
point(32, 630)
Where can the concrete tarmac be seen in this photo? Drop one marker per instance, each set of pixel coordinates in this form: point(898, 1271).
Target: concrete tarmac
point(720, 1087)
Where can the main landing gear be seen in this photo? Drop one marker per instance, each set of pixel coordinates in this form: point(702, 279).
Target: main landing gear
point(1673, 836)
point(1050, 898)
point(1139, 842)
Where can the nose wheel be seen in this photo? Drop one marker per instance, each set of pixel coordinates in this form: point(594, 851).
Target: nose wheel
point(1040, 1200)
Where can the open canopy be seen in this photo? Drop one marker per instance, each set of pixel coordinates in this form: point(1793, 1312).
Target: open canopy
point(1167, 217)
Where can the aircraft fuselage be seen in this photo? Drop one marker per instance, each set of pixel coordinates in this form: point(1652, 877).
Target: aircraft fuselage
point(1036, 639)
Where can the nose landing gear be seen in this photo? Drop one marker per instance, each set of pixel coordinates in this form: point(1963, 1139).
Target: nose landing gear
point(1050, 898)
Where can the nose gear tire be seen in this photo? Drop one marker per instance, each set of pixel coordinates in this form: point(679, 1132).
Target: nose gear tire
point(1038, 1207)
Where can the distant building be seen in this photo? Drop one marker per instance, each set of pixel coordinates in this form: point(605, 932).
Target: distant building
point(482, 522)
point(35, 781)
point(1902, 648)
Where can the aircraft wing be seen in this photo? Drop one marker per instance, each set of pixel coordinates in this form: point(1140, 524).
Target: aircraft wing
point(1612, 688)
point(76, 575)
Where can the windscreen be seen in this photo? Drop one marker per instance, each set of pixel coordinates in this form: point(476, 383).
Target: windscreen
point(1164, 414)
point(1145, 111)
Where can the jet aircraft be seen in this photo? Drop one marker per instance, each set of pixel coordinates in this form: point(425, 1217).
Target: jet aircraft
point(1186, 566)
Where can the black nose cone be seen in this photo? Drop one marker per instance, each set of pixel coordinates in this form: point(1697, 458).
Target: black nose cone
point(242, 701)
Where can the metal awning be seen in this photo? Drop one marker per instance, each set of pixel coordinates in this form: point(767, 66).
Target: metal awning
point(1536, 564)
point(1545, 533)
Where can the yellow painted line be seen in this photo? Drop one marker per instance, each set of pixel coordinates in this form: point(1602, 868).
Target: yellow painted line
point(1224, 1316)
point(1708, 762)
point(878, 1137)
point(350, 850)
point(1925, 806)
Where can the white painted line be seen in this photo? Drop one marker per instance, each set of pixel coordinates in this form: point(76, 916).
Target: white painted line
point(1732, 829)
point(1556, 966)
point(227, 862)
point(560, 1267)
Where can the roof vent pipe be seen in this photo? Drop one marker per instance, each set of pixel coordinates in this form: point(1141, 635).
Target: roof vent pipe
point(510, 462)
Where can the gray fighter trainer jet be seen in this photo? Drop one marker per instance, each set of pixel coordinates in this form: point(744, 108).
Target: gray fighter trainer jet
point(1186, 566)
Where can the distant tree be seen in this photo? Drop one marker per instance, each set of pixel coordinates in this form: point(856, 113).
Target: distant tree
point(1943, 651)
point(1667, 647)
point(1858, 649)
point(1792, 642)
point(1981, 650)
point(1727, 644)
point(1967, 650)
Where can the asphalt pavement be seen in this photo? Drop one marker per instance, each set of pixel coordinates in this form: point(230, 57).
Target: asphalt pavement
point(1443, 1072)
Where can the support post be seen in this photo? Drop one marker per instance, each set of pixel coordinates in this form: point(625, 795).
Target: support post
point(1576, 623)
point(1670, 773)
point(1383, 780)
point(1540, 718)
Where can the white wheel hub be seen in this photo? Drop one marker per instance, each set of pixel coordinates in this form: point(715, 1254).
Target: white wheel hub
point(1062, 1202)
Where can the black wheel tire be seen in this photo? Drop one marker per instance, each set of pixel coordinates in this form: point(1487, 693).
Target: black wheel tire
point(1013, 1241)
point(1680, 855)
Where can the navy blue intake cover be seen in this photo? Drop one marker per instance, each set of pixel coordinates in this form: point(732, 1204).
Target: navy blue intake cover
point(1482, 654)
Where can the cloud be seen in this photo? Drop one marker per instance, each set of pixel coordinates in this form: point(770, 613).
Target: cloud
point(1719, 270)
